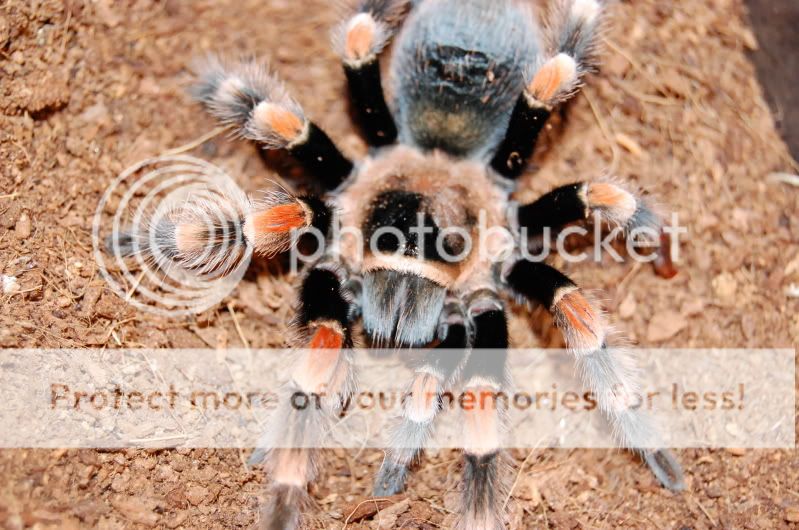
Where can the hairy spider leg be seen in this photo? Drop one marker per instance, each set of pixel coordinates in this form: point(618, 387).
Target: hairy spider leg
point(411, 432)
point(581, 201)
point(210, 235)
point(484, 483)
point(359, 40)
point(607, 202)
point(322, 375)
point(607, 372)
point(247, 97)
point(572, 31)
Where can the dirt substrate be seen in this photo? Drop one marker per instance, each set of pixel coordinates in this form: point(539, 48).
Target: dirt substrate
point(89, 87)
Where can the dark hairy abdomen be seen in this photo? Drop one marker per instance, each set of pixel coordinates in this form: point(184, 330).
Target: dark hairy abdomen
point(457, 71)
point(453, 92)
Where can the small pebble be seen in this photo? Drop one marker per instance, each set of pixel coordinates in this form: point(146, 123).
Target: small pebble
point(713, 491)
point(10, 284)
point(23, 227)
point(14, 522)
point(725, 286)
point(736, 451)
point(792, 514)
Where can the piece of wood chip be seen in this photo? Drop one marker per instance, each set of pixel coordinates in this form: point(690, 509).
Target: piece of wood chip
point(784, 178)
point(631, 145)
point(135, 510)
point(665, 325)
point(793, 266)
point(386, 519)
point(367, 508)
point(628, 307)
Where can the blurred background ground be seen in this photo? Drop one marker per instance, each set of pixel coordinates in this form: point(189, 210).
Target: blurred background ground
point(777, 63)
point(88, 88)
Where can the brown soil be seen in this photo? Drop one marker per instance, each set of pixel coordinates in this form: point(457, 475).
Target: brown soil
point(90, 87)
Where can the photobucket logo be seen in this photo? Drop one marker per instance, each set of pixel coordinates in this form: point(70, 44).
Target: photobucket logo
point(496, 243)
point(175, 235)
point(163, 237)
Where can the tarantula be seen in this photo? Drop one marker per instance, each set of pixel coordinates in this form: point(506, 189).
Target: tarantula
point(472, 83)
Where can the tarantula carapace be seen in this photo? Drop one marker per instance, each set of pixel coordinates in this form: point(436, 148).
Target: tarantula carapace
point(472, 83)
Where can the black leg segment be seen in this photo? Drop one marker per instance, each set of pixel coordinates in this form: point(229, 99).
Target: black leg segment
point(528, 119)
point(322, 299)
point(320, 157)
point(558, 207)
point(366, 93)
point(537, 282)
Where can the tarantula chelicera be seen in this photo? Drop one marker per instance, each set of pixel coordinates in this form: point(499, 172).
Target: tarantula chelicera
point(472, 83)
